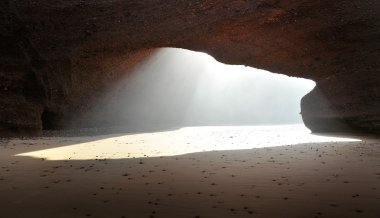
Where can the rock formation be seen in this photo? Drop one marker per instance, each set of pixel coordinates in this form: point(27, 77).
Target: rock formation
point(56, 57)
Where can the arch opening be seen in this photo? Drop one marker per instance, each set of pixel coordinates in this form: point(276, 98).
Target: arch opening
point(178, 88)
point(181, 102)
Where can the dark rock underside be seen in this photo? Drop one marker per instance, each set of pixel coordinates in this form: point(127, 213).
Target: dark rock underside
point(56, 57)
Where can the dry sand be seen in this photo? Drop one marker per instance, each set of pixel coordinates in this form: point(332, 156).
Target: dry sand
point(168, 174)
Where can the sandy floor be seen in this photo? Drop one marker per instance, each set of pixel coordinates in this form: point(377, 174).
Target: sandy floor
point(192, 172)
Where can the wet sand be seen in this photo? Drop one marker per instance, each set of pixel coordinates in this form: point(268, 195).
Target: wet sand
point(328, 178)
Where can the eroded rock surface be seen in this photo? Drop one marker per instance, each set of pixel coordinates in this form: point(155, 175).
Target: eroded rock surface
point(57, 57)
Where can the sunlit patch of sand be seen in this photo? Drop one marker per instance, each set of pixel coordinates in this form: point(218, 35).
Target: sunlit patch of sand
point(330, 177)
point(177, 142)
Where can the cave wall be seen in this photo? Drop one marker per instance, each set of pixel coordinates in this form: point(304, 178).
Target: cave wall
point(57, 57)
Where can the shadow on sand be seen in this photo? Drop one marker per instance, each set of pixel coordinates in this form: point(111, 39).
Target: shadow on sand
point(338, 179)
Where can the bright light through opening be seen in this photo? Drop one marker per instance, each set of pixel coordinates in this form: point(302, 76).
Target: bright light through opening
point(179, 88)
point(226, 106)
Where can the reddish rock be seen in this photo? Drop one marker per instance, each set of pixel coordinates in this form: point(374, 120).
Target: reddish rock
point(56, 57)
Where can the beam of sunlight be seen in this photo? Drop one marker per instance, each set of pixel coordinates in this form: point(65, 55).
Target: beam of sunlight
point(177, 87)
point(178, 142)
point(226, 106)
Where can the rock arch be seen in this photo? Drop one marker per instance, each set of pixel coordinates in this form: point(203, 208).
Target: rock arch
point(55, 55)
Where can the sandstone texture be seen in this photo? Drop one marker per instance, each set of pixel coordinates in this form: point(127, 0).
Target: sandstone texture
point(57, 57)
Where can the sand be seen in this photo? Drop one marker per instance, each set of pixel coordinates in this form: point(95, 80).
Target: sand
point(192, 172)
